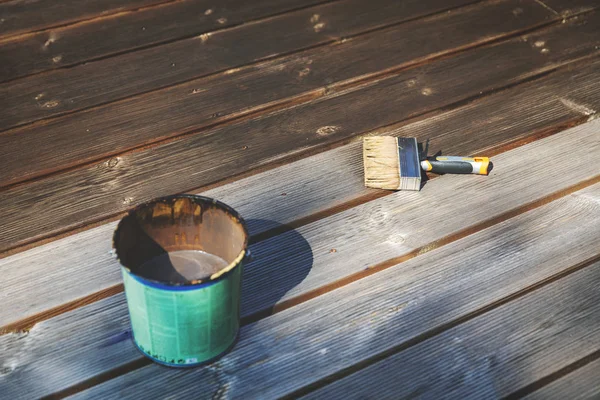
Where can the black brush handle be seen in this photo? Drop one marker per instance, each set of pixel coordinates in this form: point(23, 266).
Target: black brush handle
point(451, 167)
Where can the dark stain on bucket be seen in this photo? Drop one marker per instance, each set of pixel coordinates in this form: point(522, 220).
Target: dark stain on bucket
point(181, 260)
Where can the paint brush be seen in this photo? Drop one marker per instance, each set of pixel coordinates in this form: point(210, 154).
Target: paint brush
point(395, 163)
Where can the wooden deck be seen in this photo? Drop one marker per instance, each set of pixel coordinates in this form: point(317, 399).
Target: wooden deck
point(474, 287)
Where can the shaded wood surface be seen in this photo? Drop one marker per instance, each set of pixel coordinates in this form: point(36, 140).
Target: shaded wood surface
point(101, 132)
point(70, 45)
point(108, 188)
point(386, 311)
point(362, 245)
point(502, 352)
point(102, 81)
point(19, 16)
point(286, 195)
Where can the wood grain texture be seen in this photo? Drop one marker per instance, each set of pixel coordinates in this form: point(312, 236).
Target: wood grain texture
point(70, 45)
point(498, 353)
point(579, 384)
point(19, 16)
point(117, 127)
point(81, 196)
point(363, 236)
point(286, 195)
point(103, 81)
point(384, 311)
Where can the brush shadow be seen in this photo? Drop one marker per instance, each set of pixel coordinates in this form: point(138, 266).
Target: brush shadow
point(422, 149)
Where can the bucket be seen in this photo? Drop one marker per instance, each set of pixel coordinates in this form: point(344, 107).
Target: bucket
point(181, 259)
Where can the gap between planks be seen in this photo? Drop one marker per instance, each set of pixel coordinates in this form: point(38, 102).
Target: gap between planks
point(546, 7)
point(112, 13)
point(581, 377)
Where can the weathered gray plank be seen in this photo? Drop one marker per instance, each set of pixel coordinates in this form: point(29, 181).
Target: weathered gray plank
point(362, 236)
point(298, 190)
point(501, 352)
point(66, 90)
point(583, 383)
point(382, 312)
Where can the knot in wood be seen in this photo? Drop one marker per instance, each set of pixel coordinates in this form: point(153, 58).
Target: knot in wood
point(327, 130)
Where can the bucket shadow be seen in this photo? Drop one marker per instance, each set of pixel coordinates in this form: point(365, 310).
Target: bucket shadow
point(278, 265)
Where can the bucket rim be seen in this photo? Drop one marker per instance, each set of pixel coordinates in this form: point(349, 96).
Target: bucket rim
point(221, 274)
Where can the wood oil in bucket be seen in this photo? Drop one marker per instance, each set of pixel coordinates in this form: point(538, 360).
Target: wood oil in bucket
point(183, 266)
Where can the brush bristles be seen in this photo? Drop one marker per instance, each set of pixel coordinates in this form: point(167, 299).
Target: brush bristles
point(381, 162)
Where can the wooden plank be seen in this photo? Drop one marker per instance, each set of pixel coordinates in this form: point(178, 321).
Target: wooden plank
point(17, 16)
point(284, 196)
point(347, 325)
point(499, 353)
point(117, 127)
point(105, 189)
point(74, 44)
point(65, 91)
point(582, 383)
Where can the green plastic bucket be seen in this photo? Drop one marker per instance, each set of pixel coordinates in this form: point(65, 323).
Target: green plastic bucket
point(181, 259)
